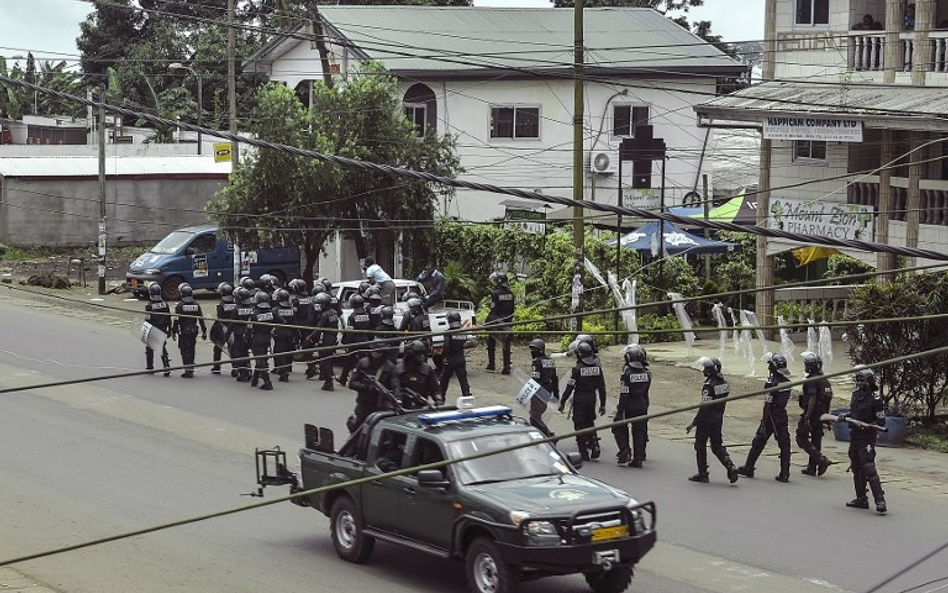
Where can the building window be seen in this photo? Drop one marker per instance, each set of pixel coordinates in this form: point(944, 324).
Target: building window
point(626, 117)
point(812, 12)
point(417, 114)
point(809, 151)
point(515, 122)
point(421, 109)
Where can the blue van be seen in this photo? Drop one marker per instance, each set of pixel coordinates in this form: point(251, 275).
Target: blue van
point(197, 255)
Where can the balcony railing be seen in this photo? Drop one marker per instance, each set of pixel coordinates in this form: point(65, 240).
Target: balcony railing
point(867, 51)
point(934, 198)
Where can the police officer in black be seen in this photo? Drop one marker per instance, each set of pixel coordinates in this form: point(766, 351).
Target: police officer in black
point(868, 411)
point(416, 322)
point(373, 303)
point(455, 361)
point(221, 328)
point(500, 315)
point(159, 316)
point(188, 316)
point(261, 329)
point(417, 380)
point(709, 420)
point(375, 367)
point(543, 371)
point(240, 347)
point(634, 385)
point(386, 330)
point(774, 421)
point(815, 401)
point(357, 337)
point(325, 336)
point(284, 334)
point(587, 381)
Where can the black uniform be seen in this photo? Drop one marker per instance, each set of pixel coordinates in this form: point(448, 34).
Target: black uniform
point(355, 341)
point(418, 325)
point(284, 341)
point(419, 377)
point(158, 316)
point(587, 381)
point(188, 316)
point(454, 363)
point(260, 344)
point(543, 371)
point(865, 406)
point(708, 424)
point(221, 329)
point(815, 401)
point(241, 344)
point(325, 336)
point(386, 331)
point(302, 305)
point(500, 315)
point(774, 423)
point(368, 398)
point(634, 385)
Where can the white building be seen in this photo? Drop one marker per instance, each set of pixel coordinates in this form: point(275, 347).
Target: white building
point(501, 80)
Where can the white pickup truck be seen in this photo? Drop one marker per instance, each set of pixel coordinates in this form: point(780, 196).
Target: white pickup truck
point(437, 315)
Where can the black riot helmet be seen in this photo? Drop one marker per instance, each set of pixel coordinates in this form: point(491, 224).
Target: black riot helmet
point(635, 356)
point(454, 319)
point(363, 287)
point(356, 301)
point(243, 295)
point(225, 289)
point(415, 305)
point(537, 346)
point(318, 288)
point(812, 363)
point(411, 294)
point(326, 284)
point(248, 283)
point(387, 314)
point(154, 291)
point(584, 352)
point(865, 376)
point(262, 299)
point(185, 290)
point(709, 366)
point(417, 350)
point(298, 285)
point(778, 364)
point(322, 300)
point(282, 296)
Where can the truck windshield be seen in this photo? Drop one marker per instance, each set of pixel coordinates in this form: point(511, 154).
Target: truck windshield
point(173, 243)
point(539, 460)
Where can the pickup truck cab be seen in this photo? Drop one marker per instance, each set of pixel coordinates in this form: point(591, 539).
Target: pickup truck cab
point(424, 482)
point(199, 256)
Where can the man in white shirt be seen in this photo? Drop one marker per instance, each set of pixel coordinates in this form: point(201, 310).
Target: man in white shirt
point(375, 274)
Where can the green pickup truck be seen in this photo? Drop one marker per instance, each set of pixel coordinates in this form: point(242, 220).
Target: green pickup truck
point(518, 514)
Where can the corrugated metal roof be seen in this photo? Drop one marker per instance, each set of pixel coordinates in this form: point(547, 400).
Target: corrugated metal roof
point(89, 167)
point(413, 38)
point(871, 102)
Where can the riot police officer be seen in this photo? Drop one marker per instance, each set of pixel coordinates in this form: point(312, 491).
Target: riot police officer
point(774, 421)
point(261, 340)
point(222, 326)
point(587, 381)
point(385, 330)
point(359, 335)
point(501, 314)
point(455, 361)
point(188, 315)
point(373, 374)
point(159, 316)
point(543, 371)
point(373, 298)
point(242, 333)
point(417, 380)
point(416, 322)
point(302, 305)
point(634, 385)
point(284, 334)
point(868, 410)
point(324, 335)
point(708, 421)
point(815, 401)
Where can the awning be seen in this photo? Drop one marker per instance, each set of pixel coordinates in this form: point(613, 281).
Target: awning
point(741, 209)
point(881, 106)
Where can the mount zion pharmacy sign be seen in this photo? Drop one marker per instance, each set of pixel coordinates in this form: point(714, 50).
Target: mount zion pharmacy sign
point(823, 219)
point(826, 129)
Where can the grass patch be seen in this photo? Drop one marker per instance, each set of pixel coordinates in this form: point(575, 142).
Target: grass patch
point(933, 437)
point(14, 253)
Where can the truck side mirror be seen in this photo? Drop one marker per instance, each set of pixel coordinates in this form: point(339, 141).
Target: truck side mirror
point(432, 478)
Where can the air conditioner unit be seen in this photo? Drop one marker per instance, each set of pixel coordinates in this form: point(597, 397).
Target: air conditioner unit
point(602, 162)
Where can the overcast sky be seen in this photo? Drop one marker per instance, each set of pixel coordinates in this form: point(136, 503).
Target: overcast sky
point(49, 28)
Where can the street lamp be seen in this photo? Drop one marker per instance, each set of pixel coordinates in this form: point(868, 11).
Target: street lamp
point(180, 66)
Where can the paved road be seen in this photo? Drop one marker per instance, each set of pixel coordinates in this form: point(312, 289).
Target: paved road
point(96, 459)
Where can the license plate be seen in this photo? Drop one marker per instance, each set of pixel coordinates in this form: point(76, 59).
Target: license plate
point(606, 533)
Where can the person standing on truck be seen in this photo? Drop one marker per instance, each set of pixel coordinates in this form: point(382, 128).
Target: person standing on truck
point(188, 315)
point(501, 314)
point(634, 385)
point(324, 335)
point(159, 316)
point(357, 337)
point(261, 338)
point(543, 372)
point(242, 334)
point(376, 385)
point(417, 380)
point(587, 381)
point(375, 274)
point(284, 335)
point(709, 420)
point(435, 282)
point(221, 328)
point(455, 361)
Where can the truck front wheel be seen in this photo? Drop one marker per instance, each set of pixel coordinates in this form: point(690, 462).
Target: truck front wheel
point(616, 580)
point(486, 570)
point(351, 543)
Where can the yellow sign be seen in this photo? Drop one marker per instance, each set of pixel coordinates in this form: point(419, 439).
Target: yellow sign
point(221, 152)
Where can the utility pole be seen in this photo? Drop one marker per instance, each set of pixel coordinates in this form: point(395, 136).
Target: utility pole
point(320, 39)
point(764, 301)
point(232, 81)
point(579, 231)
point(102, 228)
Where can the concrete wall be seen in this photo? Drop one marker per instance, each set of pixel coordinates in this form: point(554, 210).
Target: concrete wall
point(65, 212)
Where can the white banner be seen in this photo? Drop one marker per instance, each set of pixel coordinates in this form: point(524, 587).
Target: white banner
point(824, 219)
point(828, 129)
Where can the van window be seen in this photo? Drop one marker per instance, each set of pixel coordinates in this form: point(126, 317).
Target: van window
point(173, 243)
point(203, 244)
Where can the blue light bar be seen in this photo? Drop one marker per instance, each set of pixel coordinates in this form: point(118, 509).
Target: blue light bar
point(485, 412)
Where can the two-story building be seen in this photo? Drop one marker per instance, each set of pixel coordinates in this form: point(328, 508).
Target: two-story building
point(501, 81)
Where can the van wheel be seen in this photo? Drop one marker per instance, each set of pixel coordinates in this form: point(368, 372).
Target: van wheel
point(345, 524)
point(169, 288)
point(486, 570)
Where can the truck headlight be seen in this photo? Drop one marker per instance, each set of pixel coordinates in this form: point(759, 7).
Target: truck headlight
point(153, 272)
point(537, 533)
